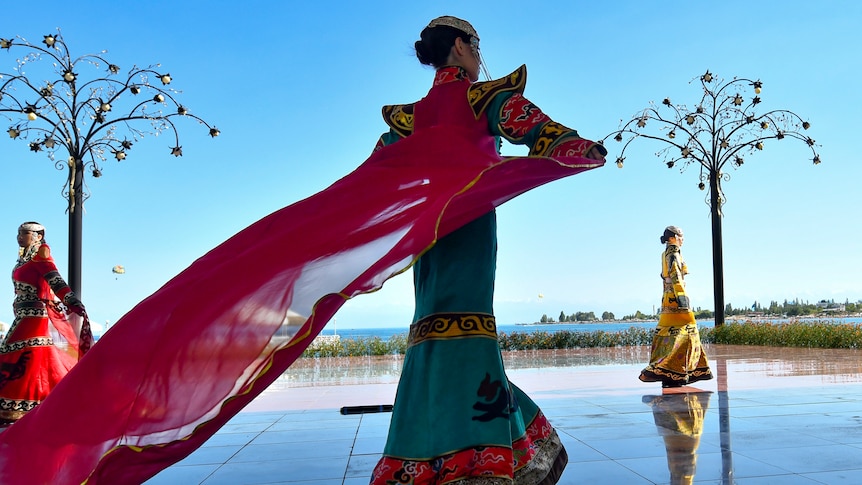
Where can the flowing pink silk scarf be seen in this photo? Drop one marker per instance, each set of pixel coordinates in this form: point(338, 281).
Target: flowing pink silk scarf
point(186, 359)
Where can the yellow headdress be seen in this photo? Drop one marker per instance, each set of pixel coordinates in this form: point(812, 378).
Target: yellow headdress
point(463, 26)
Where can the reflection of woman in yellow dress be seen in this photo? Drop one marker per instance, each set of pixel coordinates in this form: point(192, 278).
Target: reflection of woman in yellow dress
point(679, 420)
point(677, 357)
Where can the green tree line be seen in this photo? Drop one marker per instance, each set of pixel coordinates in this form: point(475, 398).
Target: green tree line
point(789, 308)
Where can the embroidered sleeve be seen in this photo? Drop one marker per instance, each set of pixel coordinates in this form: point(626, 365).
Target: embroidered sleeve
point(521, 122)
point(675, 274)
point(482, 95)
point(61, 288)
point(58, 284)
point(399, 117)
point(46, 267)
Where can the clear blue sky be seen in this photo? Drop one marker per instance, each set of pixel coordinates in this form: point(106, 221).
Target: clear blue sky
point(296, 90)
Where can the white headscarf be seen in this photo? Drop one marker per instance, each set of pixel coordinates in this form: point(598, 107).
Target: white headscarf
point(26, 254)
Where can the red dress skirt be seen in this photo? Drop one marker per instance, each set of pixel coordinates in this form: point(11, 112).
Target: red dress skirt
point(31, 367)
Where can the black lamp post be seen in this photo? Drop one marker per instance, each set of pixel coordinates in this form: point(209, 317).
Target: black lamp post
point(721, 127)
point(77, 118)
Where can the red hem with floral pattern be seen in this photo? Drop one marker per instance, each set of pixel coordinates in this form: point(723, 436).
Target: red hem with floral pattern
point(476, 462)
point(485, 462)
point(526, 447)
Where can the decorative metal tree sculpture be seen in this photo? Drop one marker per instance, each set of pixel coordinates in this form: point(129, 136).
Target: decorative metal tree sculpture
point(718, 131)
point(80, 118)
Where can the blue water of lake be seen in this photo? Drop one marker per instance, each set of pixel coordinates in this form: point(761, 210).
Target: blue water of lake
point(387, 332)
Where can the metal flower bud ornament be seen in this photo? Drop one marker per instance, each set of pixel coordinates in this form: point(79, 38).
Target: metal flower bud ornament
point(85, 121)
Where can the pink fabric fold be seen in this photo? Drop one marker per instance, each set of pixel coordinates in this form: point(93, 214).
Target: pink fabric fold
point(185, 360)
point(71, 332)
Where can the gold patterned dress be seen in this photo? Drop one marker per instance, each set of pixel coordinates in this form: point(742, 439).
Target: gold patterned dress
point(677, 357)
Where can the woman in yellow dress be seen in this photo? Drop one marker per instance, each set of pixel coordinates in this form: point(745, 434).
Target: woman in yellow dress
point(677, 357)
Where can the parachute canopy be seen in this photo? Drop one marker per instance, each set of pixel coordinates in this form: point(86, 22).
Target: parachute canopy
point(118, 269)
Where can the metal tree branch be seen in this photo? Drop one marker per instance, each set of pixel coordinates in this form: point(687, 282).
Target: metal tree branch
point(81, 115)
point(721, 127)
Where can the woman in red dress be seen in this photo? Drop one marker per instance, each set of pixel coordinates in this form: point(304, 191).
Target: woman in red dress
point(41, 346)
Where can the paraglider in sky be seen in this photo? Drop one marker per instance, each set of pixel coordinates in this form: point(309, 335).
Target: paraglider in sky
point(541, 295)
point(118, 269)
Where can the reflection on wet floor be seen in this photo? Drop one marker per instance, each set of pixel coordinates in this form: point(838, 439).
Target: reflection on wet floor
point(770, 416)
point(679, 420)
point(830, 365)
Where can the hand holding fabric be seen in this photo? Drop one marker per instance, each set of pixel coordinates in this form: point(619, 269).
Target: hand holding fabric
point(597, 152)
point(74, 304)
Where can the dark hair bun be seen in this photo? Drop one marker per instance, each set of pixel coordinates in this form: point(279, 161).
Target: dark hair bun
point(435, 44)
point(422, 52)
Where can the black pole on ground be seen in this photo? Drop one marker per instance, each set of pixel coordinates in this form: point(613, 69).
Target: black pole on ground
point(76, 211)
point(717, 255)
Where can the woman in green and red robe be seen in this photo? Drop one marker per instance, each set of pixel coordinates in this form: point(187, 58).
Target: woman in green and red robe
point(456, 417)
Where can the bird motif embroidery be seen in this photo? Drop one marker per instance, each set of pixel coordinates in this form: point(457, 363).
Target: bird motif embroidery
point(494, 401)
point(10, 371)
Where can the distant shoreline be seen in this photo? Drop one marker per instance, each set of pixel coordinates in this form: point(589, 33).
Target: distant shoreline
point(754, 318)
point(594, 322)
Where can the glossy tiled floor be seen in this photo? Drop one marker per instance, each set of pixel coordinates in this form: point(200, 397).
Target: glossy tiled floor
point(772, 416)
